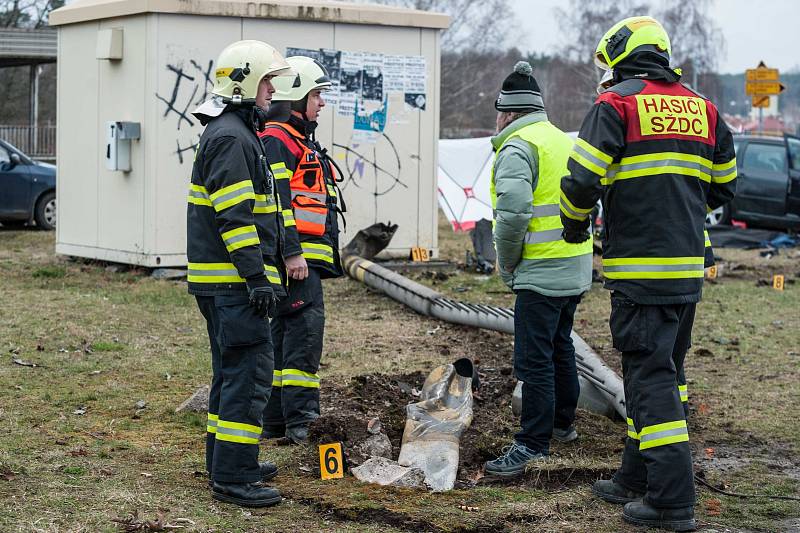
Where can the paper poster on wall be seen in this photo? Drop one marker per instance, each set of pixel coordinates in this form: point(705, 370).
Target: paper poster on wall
point(314, 54)
point(366, 77)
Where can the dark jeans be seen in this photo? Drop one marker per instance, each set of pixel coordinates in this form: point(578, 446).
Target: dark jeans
point(544, 360)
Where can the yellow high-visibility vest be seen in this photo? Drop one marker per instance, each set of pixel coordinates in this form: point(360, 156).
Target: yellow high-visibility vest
point(543, 238)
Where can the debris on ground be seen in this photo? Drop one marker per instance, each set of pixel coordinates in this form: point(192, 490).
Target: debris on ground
point(168, 273)
point(387, 472)
point(197, 402)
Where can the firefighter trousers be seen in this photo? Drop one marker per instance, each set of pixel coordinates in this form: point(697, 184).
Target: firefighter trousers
point(654, 340)
point(297, 331)
point(242, 361)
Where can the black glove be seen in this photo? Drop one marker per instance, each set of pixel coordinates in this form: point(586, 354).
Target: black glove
point(575, 236)
point(262, 297)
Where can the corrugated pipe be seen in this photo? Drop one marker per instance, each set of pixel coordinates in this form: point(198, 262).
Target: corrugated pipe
point(601, 387)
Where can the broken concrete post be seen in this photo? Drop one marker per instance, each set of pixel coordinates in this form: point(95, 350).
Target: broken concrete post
point(197, 402)
point(387, 472)
point(377, 445)
point(435, 424)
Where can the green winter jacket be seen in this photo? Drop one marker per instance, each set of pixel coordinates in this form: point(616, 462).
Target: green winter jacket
point(516, 175)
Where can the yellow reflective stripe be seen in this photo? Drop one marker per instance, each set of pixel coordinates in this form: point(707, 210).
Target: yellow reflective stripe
point(211, 424)
point(199, 201)
point(663, 434)
point(665, 156)
point(241, 237)
point(280, 171)
point(277, 378)
point(683, 391)
point(320, 252)
point(571, 211)
point(237, 432)
point(225, 273)
point(724, 172)
point(707, 238)
point(724, 166)
point(594, 151)
point(654, 267)
point(288, 218)
point(265, 204)
point(232, 195)
point(299, 378)
point(632, 430)
point(198, 195)
point(588, 165)
point(652, 261)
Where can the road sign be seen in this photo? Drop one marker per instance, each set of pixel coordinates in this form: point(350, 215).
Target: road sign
point(762, 74)
point(763, 87)
point(760, 101)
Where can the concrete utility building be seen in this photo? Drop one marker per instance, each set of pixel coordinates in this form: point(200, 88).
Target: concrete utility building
point(131, 72)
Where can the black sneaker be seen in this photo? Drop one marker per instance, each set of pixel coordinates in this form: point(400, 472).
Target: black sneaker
point(565, 435)
point(246, 494)
point(273, 432)
point(644, 514)
point(268, 471)
point(515, 459)
point(613, 492)
point(297, 434)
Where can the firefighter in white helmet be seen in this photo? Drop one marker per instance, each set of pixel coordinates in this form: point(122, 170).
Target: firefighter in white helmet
point(309, 205)
point(235, 268)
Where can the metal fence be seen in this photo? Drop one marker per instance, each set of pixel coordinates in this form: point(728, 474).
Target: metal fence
point(35, 141)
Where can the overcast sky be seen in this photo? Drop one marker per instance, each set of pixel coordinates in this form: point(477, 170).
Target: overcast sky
point(767, 30)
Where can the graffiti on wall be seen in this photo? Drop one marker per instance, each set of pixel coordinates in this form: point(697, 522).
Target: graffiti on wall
point(192, 83)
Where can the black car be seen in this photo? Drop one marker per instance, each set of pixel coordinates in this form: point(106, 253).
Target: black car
point(768, 185)
point(27, 189)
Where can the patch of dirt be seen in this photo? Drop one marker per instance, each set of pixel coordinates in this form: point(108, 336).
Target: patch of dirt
point(348, 406)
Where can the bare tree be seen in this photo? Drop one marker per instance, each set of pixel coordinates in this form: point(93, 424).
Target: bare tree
point(26, 13)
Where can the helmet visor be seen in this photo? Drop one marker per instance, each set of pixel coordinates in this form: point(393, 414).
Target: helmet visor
point(600, 61)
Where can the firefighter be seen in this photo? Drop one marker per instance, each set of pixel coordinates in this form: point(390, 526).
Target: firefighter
point(659, 155)
point(547, 274)
point(306, 186)
point(233, 249)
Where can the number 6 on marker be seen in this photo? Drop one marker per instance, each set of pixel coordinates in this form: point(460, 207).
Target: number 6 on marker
point(331, 464)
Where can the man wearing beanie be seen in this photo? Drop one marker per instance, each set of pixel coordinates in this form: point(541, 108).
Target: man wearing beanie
point(547, 274)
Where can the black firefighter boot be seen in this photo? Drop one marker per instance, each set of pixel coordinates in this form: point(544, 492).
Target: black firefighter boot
point(267, 469)
point(643, 514)
point(613, 492)
point(246, 494)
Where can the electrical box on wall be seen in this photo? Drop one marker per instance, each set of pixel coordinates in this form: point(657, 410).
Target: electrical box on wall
point(118, 144)
point(109, 44)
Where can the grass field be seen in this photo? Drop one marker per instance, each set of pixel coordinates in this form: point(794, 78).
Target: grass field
point(91, 435)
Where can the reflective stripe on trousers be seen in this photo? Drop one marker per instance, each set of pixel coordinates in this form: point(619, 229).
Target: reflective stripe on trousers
point(237, 432)
point(298, 378)
point(211, 424)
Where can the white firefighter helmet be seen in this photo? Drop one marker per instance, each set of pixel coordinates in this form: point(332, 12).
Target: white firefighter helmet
point(310, 75)
point(241, 67)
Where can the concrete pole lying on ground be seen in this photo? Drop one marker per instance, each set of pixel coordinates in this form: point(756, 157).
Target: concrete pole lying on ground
point(601, 388)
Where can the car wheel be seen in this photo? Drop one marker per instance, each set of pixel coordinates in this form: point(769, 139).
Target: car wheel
point(45, 214)
point(720, 215)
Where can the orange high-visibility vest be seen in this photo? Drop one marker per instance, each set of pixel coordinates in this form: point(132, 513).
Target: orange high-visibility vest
point(309, 189)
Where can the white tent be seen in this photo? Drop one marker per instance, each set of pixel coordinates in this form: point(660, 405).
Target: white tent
point(465, 167)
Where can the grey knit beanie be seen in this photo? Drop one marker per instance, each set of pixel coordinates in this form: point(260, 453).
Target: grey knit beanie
point(520, 93)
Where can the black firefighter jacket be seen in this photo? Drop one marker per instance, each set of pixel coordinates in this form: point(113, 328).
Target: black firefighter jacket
point(659, 155)
point(232, 218)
